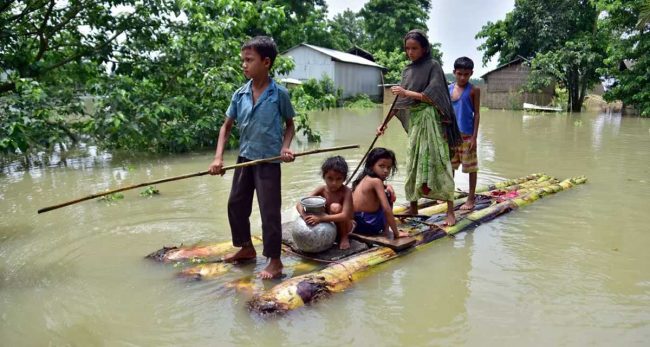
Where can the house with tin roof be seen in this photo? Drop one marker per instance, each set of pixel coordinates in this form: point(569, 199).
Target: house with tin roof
point(352, 73)
point(505, 87)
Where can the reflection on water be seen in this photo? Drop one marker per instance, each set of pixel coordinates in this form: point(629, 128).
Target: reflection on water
point(567, 270)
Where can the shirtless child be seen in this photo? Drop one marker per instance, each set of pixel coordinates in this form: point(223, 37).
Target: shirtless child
point(338, 200)
point(373, 212)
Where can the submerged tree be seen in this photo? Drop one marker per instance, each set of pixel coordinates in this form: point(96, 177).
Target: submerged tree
point(155, 74)
point(50, 52)
point(562, 38)
point(628, 62)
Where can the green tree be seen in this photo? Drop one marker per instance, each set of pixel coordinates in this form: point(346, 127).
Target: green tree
point(48, 52)
point(347, 31)
point(627, 62)
point(172, 96)
point(644, 16)
point(304, 21)
point(396, 61)
point(562, 37)
point(159, 74)
point(386, 22)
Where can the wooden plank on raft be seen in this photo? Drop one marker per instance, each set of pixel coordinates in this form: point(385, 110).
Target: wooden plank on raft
point(395, 244)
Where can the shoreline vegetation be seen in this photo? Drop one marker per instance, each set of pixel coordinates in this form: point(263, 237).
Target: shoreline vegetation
point(158, 78)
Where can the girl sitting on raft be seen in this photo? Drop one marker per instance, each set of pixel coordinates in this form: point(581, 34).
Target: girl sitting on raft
point(373, 212)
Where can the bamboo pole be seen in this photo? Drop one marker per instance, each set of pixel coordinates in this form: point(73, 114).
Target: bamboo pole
point(309, 288)
point(202, 173)
point(383, 125)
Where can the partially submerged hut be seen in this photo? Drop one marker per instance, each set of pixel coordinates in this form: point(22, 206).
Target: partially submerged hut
point(505, 87)
point(352, 73)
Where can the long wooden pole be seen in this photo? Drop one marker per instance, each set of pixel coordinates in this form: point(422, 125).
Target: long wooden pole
point(176, 178)
point(383, 125)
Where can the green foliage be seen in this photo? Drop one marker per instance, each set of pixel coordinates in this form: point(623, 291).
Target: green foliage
point(387, 21)
point(149, 192)
point(48, 54)
point(360, 101)
point(644, 16)
point(304, 21)
point(535, 26)
point(573, 65)
point(313, 95)
point(627, 61)
point(158, 75)
point(561, 36)
point(347, 31)
point(32, 116)
point(175, 100)
point(561, 97)
point(395, 61)
point(111, 197)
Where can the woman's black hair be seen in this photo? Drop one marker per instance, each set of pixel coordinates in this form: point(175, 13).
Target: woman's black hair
point(337, 164)
point(373, 158)
point(421, 37)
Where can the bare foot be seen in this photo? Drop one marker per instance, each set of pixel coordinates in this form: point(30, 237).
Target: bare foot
point(344, 243)
point(468, 205)
point(402, 234)
point(451, 219)
point(273, 270)
point(425, 189)
point(243, 254)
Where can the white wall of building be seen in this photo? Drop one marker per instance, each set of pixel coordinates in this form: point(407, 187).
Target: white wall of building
point(310, 64)
point(353, 79)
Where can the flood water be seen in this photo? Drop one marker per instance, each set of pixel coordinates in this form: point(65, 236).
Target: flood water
point(570, 269)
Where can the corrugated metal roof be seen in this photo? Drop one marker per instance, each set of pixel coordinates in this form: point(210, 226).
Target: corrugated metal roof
point(516, 60)
point(339, 56)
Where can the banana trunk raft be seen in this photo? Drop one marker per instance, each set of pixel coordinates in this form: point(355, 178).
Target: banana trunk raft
point(310, 278)
point(309, 288)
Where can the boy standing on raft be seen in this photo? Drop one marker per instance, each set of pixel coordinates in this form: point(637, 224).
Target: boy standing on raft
point(466, 99)
point(259, 108)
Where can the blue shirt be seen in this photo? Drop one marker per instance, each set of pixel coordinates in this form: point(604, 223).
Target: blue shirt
point(261, 125)
point(464, 109)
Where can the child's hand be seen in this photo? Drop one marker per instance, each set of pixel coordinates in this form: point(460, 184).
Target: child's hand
point(472, 143)
point(401, 234)
point(312, 219)
point(391, 192)
point(287, 155)
point(216, 167)
point(381, 128)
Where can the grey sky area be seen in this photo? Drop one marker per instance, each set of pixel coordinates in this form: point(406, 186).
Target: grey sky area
point(453, 23)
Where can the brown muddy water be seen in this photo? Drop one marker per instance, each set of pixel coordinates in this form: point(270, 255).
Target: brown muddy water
point(571, 269)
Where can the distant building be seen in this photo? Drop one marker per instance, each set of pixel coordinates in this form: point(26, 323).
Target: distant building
point(352, 73)
point(505, 87)
point(356, 50)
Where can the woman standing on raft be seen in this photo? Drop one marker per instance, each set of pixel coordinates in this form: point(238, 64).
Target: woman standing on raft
point(424, 108)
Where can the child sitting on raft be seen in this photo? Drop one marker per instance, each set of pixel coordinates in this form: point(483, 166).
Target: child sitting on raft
point(373, 212)
point(338, 200)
